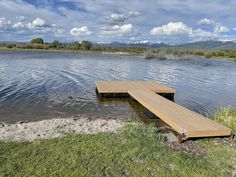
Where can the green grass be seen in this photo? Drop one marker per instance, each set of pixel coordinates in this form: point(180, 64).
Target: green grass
point(226, 116)
point(136, 150)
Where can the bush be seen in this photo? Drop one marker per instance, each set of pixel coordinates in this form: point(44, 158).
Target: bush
point(20, 46)
point(29, 46)
point(10, 46)
point(38, 46)
point(55, 44)
point(37, 41)
point(220, 53)
point(208, 55)
point(86, 45)
point(232, 54)
point(199, 52)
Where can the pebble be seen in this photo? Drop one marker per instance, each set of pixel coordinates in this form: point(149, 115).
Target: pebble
point(2, 125)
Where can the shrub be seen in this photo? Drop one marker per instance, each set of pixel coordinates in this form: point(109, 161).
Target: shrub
point(55, 44)
point(10, 46)
point(37, 41)
point(37, 46)
point(208, 55)
point(86, 45)
point(199, 52)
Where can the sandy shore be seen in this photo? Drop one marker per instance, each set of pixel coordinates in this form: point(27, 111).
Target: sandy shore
point(53, 128)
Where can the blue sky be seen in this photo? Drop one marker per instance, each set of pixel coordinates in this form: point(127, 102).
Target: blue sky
point(169, 21)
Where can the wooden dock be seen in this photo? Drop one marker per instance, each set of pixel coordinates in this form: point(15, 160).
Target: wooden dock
point(121, 88)
point(186, 123)
point(125, 86)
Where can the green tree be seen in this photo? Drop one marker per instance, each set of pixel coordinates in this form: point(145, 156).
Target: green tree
point(55, 43)
point(77, 45)
point(37, 41)
point(86, 45)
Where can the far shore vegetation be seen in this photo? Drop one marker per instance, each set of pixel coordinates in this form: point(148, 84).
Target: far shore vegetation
point(87, 46)
point(136, 150)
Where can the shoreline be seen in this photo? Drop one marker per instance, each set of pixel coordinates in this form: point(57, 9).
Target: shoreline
point(119, 53)
point(57, 127)
point(74, 51)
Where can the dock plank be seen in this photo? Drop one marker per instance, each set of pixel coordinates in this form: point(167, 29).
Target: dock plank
point(124, 86)
point(183, 120)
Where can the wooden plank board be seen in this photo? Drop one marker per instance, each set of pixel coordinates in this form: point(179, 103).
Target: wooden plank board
point(124, 86)
point(183, 120)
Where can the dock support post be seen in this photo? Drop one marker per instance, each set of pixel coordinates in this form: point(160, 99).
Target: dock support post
point(231, 137)
point(180, 138)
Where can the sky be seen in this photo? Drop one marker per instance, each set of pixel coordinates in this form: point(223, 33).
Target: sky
point(102, 21)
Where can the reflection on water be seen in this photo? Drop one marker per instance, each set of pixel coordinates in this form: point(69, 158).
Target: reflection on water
point(44, 85)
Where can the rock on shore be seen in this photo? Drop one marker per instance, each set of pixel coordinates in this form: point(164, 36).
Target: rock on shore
point(53, 128)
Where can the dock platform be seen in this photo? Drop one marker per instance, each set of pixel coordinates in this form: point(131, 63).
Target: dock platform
point(119, 89)
point(152, 96)
point(125, 86)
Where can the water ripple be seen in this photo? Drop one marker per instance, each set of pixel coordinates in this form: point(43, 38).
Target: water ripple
point(38, 85)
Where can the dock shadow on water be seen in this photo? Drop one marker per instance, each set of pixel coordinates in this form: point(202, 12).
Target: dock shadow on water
point(140, 113)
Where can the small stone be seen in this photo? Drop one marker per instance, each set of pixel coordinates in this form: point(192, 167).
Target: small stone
point(70, 97)
point(2, 125)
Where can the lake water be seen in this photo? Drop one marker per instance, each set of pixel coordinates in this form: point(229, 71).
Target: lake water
point(45, 85)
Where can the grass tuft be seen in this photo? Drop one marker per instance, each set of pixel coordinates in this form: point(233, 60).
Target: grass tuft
point(226, 116)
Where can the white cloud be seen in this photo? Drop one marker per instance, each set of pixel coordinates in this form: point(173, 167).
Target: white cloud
point(20, 18)
point(206, 21)
point(134, 14)
point(172, 29)
point(82, 31)
point(133, 38)
point(4, 23)
point(18, 25)
point(203, 33)
point(234, 29)
point(116, 30)
point(123, 17)
point(220, 28)
point(40, 26)
point(118, 17)
point(38, 22)
point(181, 29)
point(59, 30)
point(141, 42)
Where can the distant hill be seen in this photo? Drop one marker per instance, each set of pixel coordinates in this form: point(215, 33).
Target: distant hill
point(204, 45)
point(147, 45)
point(207, 45)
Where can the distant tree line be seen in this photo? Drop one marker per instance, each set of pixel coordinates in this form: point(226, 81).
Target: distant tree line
point(38, 43)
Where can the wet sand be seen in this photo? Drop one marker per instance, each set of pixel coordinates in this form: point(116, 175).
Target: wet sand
point(54, 128)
